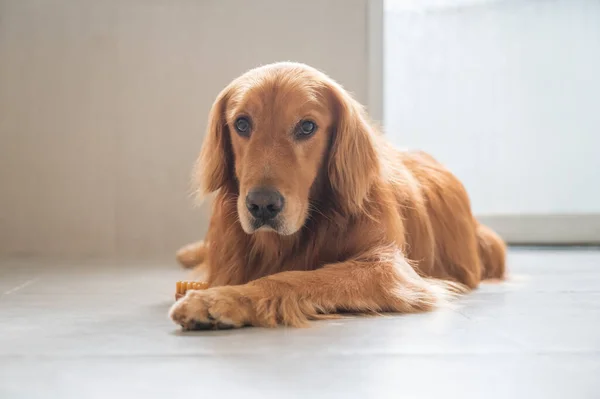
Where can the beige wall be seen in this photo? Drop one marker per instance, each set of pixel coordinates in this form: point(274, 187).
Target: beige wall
point(103, 106)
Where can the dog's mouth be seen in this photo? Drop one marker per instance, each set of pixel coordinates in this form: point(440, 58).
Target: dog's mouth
point(275, 226)
point(269, 225)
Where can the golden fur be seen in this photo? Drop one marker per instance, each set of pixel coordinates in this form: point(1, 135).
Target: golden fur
point(365, 228)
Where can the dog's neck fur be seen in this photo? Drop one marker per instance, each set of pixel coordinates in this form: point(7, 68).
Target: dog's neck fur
point(262, 253)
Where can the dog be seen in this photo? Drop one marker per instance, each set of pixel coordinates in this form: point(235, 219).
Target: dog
point(316, 214)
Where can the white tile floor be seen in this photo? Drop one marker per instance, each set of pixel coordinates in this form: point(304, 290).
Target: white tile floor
point(98, 329)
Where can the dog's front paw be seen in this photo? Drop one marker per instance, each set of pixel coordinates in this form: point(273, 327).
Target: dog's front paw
point(214, 308)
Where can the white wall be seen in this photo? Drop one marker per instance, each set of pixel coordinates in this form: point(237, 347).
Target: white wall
point(506, 93)
point(103, 106)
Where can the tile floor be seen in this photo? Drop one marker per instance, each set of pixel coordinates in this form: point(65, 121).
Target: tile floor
point(98, 329)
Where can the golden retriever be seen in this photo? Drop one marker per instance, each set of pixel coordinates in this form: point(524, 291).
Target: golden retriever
point(316, 214)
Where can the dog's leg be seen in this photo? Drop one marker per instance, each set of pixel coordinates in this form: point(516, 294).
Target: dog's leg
point(192, 254)
point(383, 281)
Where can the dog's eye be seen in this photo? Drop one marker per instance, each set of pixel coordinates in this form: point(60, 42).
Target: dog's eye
point(305, 128)
point(242, 126)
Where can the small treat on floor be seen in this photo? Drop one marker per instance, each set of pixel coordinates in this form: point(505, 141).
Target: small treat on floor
point(184, 286)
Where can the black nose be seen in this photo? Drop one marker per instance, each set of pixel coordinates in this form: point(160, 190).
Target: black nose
point(264, 203)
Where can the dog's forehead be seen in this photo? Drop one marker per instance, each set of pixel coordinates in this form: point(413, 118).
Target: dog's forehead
point(280, 94)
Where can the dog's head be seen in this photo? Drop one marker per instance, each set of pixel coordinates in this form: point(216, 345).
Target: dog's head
point(277, 132)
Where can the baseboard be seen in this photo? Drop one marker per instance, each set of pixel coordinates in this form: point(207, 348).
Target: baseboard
point(546, 229)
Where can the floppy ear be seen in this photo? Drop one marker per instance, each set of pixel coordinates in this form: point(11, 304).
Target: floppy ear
point(353, 161)
point(214, 167)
